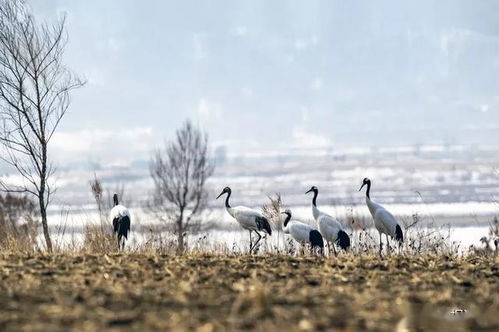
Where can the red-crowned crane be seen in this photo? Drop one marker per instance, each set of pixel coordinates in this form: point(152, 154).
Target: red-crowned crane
point(249, 219)
point(330, 228)
point(302, 233)
point(120, 217)
point(384, 221)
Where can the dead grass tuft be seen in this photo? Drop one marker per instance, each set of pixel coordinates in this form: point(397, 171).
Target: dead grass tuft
point(98, 239)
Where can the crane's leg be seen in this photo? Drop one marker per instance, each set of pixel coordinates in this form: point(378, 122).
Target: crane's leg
point(119, 245)
point(380, 245)
point(251, 243)
point(314, 250)
point(330, 248)
point(387, 245)
point(334, 249)
point(257, 241)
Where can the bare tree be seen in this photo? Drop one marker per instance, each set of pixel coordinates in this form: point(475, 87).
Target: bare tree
point(34, 97)
point(179, 172)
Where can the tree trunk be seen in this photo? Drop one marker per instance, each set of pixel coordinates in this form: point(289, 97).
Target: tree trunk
point(180, 240)
point(180, 234)
point(43, 213)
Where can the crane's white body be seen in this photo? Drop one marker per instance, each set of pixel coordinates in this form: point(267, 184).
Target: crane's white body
point(328, 226)
point(245, 216)
point(119, 211)
point(384, 221)
point(120, 219)
point(298, 231)
point(249, 219)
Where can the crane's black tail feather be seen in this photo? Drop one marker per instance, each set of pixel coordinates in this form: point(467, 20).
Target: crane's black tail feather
point(343, 240)
point(399, 236)
point(263, 225)
point(316, 239)
point(124, 227)
point(121, 226)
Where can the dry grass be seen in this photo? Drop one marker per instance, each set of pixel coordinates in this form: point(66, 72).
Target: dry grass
point(226, 292)
point(98, 239)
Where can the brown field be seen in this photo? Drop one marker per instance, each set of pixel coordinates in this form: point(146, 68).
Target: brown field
point(219, 292)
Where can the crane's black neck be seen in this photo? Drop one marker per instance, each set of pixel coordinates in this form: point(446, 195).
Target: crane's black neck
point(368, 189)
point(227, 205)
point(115, 199)
point(314, 200)
point(288, 218)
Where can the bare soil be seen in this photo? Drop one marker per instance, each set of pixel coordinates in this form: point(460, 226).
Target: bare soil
point(221, 293)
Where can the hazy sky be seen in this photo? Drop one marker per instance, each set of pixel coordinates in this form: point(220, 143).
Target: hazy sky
point(276, 73)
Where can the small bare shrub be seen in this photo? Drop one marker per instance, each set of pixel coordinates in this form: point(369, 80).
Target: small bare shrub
point(489, 244)
point(272, 211)
point(427, 238)
point(157, 241)
point(97, 240)
point(18, 224)
point(364, 242)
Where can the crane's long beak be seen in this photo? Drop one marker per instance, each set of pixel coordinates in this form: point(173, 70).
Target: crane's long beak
point(362, 186)
point(309, 191)
point(284, 213)
point(223, 192)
